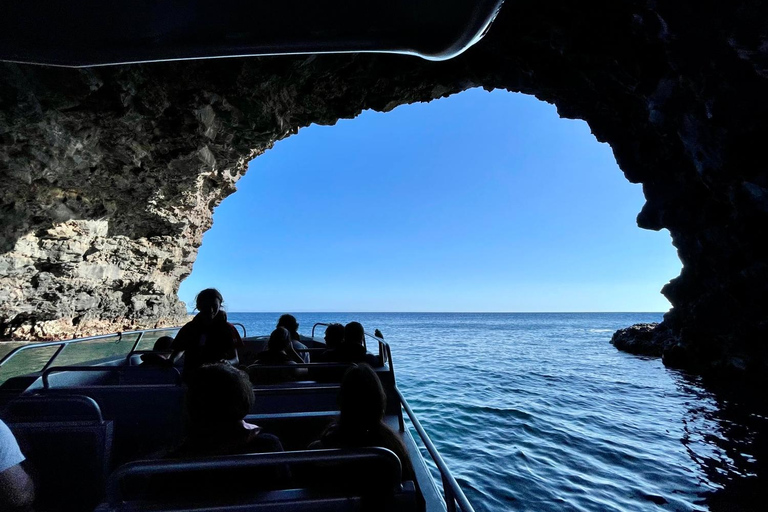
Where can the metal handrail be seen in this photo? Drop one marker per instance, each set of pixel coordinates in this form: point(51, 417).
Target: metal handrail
point(453, 493)
point(316, 324)
point(65, 343)
point(245, 334)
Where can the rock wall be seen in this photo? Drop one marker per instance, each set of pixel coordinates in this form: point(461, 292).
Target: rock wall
point(110, 175)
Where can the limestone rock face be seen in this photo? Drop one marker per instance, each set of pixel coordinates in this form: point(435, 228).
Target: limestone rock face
point(110, 175)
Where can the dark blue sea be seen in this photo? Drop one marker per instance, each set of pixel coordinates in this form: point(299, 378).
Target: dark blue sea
point(539, 412)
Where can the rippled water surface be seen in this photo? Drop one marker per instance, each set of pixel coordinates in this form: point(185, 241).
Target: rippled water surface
point(539, 412)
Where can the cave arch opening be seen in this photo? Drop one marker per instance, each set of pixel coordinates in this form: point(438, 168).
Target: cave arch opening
point(475, 202)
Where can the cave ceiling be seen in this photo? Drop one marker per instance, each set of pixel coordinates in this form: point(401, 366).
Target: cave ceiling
point(110, 175)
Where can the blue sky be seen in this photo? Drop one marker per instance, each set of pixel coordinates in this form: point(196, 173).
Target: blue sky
point(477, 202)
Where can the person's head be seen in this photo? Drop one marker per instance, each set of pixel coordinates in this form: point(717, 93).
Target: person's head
point(361, 398)
point(290, 323)
point(354, 333)
point(219, 395)
point(279, 340)
point(163, 344)
point(334, 335)
point(208, 302)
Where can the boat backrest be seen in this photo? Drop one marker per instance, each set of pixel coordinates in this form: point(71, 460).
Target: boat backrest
point(295, 430)
point(295, 397)
point(150, 418)
point(147, 419)
point(73, 376)
point(26, 409)
point(68, 448)
point(148, 485)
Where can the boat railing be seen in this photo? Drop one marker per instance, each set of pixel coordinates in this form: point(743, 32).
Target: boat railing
point(238, 324)
point(74, 341)
point(454, 497)
point(453, 494)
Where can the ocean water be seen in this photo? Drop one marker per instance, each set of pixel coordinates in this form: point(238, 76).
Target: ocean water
point(539, 412)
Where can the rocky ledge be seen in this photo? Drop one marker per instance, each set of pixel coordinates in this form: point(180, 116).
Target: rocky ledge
point(110, 175)
point(642, 339)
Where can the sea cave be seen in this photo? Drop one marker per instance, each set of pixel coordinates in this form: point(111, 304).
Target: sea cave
point(111, 174)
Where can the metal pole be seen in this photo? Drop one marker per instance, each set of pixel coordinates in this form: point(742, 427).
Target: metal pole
point(54, 356)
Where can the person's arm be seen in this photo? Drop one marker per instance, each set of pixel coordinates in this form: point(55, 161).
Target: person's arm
point(178, 345)
point(232, 356)
point(295, 357)
point(16, 489)
point(17, 492)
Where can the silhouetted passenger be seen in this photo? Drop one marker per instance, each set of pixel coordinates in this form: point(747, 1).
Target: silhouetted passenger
point(279, 352)
point(17, 491)
point(290, 323)
point(219, 397)
point(208, 338)
point(362, 403)
point(334, 335)
point(351, 350)
point(159, 355)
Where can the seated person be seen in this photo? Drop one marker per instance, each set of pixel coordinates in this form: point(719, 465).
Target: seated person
point(219, 396)
point(351, 350)
point(334, 336)
point(208, 338)
point(159, 355)
point(16, 489)
point(279, 352)
point(362, 402)
point(289, 322)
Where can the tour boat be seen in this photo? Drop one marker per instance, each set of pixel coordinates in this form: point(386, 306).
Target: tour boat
point(89, 418)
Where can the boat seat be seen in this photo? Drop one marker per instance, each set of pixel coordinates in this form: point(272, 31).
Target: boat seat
point(295, 430)
point(67, 445)
point(147, 418)
point(25, 409)
point(168, 484)
point(290, 397)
